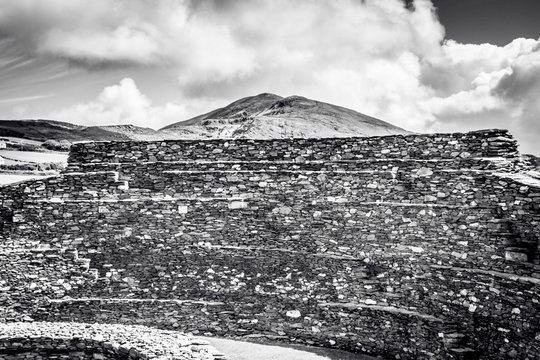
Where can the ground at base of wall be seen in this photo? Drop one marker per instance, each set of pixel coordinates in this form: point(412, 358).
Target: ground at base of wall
point(242, 350)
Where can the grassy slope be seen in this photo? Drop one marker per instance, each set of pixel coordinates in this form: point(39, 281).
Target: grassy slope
point(25, 159)
point(43, 130)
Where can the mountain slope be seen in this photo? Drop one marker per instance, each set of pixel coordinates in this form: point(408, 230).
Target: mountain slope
point(270, 116)
point(133, 132)
point(42, 130)
point(247, 106)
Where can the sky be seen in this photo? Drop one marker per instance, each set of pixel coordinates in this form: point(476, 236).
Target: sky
point(427, 66)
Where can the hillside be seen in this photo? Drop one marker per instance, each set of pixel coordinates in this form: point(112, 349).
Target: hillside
point(132, 132)
point(37, 148)
point(43, 130)
point(270, 116)
point(244, 107)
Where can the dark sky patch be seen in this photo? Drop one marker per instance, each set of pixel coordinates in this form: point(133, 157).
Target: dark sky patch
point(489, 21)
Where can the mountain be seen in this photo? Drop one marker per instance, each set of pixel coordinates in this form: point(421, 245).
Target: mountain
point(262, 116)
point(271, 116)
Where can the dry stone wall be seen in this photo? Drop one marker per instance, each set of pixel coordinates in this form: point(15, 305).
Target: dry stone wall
point(419, 246)
point(29, 276)
point(485, 143)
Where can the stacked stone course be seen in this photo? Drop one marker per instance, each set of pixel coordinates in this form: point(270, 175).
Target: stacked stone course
point(419, 246)
point(485, 143)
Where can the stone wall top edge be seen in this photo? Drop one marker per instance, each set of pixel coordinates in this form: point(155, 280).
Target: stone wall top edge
point(523, 179)
point(27, 182)
point(396, 136)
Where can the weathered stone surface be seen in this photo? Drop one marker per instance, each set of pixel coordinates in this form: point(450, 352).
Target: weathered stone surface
point(396, 246)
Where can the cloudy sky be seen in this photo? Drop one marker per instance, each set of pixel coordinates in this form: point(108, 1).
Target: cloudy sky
point(428, 65)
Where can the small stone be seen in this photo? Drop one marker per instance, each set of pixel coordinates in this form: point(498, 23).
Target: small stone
point(424, 171)
point(283, 210)
point(515, 256)
point(182, 209)
point(513, 353)
point(293, 314)
point(238, 205)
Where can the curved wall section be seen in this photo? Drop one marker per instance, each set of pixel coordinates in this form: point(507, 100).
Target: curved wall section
point(94, 341)
point(53, 348)
point(417, 247)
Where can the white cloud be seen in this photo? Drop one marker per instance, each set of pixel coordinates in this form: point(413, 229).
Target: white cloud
point(121, 104)
point(25, 98)
point(500, 87)
point(123, 44)
point(374, 56)
point(221, 40)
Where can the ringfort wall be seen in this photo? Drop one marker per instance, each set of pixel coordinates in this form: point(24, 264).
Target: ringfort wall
point(409, 247)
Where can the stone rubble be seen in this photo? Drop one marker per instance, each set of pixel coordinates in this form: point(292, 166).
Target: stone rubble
point(46, 340)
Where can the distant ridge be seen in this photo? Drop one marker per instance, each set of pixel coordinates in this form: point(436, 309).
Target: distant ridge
point(43, 130)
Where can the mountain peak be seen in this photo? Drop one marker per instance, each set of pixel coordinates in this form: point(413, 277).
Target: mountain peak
point(290, 102)
point(266, 95)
